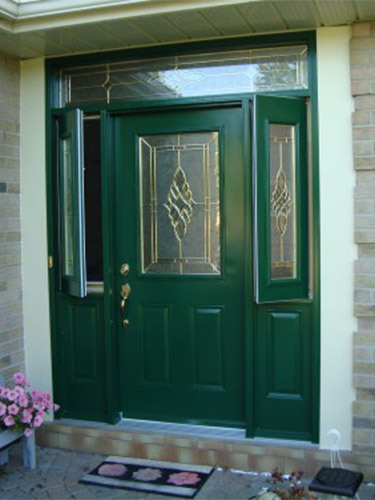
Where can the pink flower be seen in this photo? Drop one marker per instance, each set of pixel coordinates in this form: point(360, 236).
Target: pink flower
point(56, 407)
point(23, 401)
point(147, 474)
point(34, 393)
point(19, 378)
point(9, 421)
point(38, 420)
point(28, 432)
point(19, 390)
point(12, 395)
point(4, 392)
point(13, 409)
point(3, 409)
point(46, 396)
point(181, 478)
point(26, 417)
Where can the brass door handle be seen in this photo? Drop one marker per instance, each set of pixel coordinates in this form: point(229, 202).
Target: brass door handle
point(125, 294)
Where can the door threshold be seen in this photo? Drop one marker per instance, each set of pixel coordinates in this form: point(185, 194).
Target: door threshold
point(193, 430)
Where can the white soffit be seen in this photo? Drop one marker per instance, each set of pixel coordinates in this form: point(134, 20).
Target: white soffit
point(33, 28)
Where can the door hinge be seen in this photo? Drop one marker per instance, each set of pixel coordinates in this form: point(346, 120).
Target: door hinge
point(50, 262)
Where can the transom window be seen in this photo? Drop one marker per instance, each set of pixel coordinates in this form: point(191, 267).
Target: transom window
point(209, 74)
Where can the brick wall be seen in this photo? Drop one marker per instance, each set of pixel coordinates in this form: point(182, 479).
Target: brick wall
point(11, 332)
point(363, 91)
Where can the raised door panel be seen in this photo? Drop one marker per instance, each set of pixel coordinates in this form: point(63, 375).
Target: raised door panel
point(283, 372)
point(82, 350)
point(207, 340)
point(154, 345)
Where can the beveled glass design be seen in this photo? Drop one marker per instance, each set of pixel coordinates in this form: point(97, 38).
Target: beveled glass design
point(216, 73)
point(180, 203)
point(283, 201)
point(67, 208)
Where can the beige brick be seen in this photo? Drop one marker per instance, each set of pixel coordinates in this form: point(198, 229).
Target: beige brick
point(361, 30)
point(362, 296)
point(364, 310)
point(362, 117)
point(364, 207)
point(366, 395)
point(362, 409)
point(364, 162)
point(364, 102)
point(364, 133)
point(364, 222)
point(363, 236)
point(11, 333)
point(365, 177)
point(364, 380)
point(361, 87)
point(363, 148)
point(364, 338)
point(363, 353)
point(366, 325)
point(363, 43)
point(362, 265)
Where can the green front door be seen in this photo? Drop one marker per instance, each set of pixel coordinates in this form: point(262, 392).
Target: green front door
point(179, 304)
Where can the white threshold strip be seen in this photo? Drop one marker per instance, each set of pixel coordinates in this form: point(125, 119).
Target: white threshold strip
point(187, 429)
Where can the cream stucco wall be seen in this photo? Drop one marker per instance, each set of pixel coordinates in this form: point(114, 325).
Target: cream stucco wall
point(338, 251)
point(34, 225)
point(337, 245)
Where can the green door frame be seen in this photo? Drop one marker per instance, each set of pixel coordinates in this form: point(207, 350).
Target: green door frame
point(53, 67)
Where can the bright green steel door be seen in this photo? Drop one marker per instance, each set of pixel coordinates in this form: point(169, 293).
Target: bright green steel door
point(179, 227)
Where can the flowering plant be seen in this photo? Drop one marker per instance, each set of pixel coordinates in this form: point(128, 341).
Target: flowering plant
point(285, 486)
point(23, 409)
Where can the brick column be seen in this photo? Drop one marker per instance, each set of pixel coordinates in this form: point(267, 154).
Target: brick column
point(11, 332)
point(363, 91)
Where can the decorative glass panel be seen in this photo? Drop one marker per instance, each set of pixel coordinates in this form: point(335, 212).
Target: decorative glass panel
point(283, 201)
point(68, 260)
point(180, 203)
point(281, 225)
point(216, 73)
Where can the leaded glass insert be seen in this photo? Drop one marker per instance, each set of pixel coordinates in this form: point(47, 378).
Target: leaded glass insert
point(217, 73)
point(67, 208)
point(283, 201)
point(180, 203)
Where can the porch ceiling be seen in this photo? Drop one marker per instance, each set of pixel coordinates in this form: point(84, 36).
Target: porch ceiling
point(33, 28)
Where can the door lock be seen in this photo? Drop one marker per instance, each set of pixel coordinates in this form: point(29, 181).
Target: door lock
point(124, 269)
point(125, 293)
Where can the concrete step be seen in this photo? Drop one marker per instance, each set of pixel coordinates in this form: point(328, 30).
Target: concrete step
point(171, 442)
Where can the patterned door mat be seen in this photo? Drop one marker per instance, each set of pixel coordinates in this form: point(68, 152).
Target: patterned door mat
point(167, 478)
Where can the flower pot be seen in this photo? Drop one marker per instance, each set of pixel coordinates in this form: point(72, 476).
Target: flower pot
point(8, 437)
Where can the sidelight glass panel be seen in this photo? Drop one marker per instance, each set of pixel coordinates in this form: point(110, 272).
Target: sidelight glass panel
point(71, 207)
point(180, 203)
point(283, 201)
point(68, 259)
point(187, 75)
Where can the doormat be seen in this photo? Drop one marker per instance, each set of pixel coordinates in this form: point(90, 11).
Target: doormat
point(151, 476)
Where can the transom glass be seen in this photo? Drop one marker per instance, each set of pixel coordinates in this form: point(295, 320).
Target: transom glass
point(180, 203)
point(207, 74)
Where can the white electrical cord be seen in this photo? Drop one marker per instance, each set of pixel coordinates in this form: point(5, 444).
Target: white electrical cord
point(334, 452)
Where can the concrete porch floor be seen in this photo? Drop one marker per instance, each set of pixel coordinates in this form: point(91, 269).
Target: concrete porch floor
point(58, 472)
